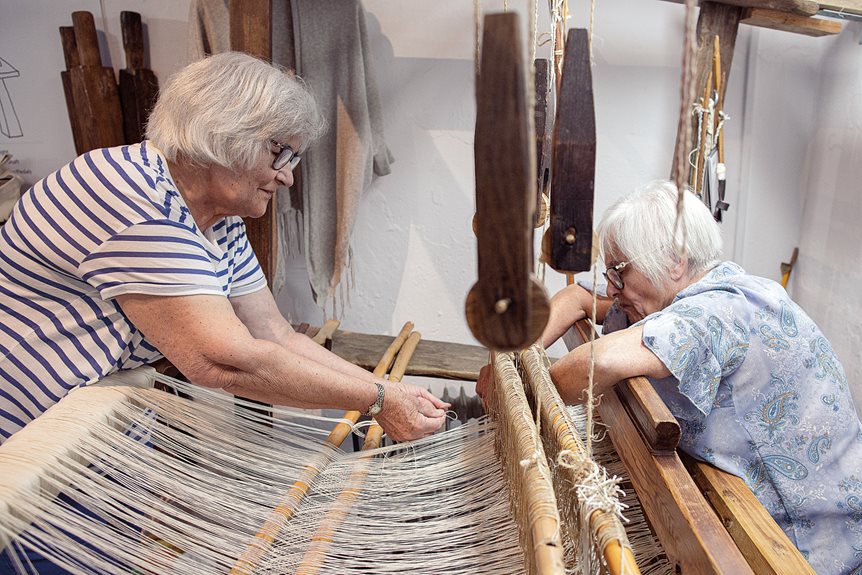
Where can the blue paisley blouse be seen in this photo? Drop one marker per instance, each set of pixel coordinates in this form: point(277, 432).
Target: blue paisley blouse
point(760, 393)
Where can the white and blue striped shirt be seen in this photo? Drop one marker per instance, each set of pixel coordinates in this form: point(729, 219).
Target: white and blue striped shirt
point(110, 223)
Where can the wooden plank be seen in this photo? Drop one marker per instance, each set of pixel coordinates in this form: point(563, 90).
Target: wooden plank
point(762, 542)
point(787, 22)
point(506, 308)
point(844, 6)
point(567, 245)
point(654, 420)
point(94, 89)
point(692, 536)
point(251, 32)
point(70, 54)
point(801, 7)
point(432, 358)
point(139, 87)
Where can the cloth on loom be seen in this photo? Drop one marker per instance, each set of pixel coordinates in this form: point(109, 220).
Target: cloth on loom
point(759, 393)
point(75, 242)
point(333, 56)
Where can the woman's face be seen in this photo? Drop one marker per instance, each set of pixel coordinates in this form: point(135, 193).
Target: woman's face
point(639, 297)
point(248, 193)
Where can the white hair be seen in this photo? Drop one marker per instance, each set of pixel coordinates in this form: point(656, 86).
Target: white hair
point(640, 228)
point(224, 110)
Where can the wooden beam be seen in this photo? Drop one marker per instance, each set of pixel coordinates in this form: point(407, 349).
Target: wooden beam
point(691, 534)
point(800, 7)
point(432, 358)
point(762, 542)
point(790, 22)
point(846, 6)
point(251, 32)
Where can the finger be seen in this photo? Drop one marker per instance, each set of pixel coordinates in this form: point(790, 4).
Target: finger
point(434, 399)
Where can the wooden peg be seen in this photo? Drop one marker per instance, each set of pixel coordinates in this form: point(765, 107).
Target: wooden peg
point(567, 245)
point(506, 309)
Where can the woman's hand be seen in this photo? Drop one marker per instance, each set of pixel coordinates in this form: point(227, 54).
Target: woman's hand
point(410, 412)
point(484, 383)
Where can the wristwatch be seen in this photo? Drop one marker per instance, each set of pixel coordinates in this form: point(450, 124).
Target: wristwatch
point(375, 407)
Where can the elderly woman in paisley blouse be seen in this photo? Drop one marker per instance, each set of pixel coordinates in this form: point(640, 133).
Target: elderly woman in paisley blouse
point(754, 383)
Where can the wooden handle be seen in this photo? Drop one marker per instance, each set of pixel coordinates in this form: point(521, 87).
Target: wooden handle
point(133, 39)
point(70, 48)
point(569, 239)
point(86, 39)
point(506, 310)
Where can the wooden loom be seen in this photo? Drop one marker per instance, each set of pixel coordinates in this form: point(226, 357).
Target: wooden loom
point(26, 473)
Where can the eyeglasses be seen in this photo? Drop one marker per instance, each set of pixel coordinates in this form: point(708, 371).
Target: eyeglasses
point(286, 156)
point(615, 276)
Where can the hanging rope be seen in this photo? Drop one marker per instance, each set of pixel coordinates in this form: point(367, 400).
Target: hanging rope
point(683, 144)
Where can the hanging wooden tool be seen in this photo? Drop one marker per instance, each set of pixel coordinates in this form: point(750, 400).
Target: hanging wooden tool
point(544, 129)
point(70, 55)
point(94, 89)
point(567, 244)
point(506, 308)
point(138, 85)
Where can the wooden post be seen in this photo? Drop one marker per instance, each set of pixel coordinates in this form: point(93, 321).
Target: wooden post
point(714, 19)
point(251, 32)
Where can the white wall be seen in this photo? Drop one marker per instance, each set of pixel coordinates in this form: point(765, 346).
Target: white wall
point(793, 148)
point(828, 277)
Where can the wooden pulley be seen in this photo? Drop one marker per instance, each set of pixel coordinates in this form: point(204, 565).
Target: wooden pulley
point(567, 244)
point(506, 308)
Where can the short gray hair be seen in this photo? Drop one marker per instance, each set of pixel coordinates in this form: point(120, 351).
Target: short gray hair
point(640, 227)
point(224, 110)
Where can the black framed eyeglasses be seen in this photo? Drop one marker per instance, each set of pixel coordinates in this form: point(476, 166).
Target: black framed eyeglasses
point(614, 275)
point(286, 156)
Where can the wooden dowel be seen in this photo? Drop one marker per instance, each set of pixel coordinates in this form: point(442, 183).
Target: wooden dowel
point(326, 331)
point(326, 530)
point(701, 148)
point(263, 539)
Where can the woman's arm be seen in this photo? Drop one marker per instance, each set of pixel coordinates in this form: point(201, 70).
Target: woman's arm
point(260, 314)
point(570, 304)
point(618, 356)
point(208, 342)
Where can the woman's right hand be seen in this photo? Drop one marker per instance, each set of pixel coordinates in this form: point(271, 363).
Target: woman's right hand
point(410, 412)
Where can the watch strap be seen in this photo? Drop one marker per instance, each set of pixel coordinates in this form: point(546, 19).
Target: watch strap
point(375, 407)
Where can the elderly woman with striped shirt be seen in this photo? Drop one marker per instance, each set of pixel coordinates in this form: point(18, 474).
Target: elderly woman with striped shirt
point(133, 253)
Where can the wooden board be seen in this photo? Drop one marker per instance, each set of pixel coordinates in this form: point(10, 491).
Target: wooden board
point(801, 7)
point(790, 22)
point(691, 534)
point(762, 542)
point(70, 55)
point(431, 358)
point(251, 32)
point(94, 90)
point(139, 87)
